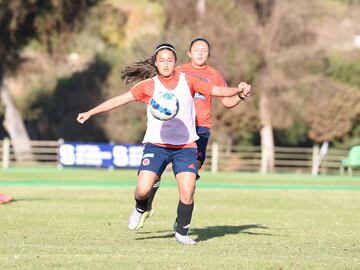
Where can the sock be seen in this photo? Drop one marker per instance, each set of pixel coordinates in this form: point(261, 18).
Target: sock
point(184, 214)
point(152, 194)
point(141, 205)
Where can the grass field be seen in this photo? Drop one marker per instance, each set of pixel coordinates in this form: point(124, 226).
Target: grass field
point(77, 219)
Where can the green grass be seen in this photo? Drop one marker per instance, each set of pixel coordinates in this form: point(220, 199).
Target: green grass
point(77, 219)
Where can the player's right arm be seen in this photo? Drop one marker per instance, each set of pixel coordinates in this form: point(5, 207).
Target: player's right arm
point(243, 90)
point(206, 88)
point(107, 105)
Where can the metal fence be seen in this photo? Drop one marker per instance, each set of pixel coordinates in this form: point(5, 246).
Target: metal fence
point(287, 159)
point(43, 153)
point(219, 158)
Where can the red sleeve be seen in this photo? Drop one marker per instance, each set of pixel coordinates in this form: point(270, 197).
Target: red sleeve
point(143, 91)
point(220, 81)
point(197, 84)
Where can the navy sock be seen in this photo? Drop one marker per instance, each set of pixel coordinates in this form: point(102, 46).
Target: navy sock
point(184, 214)
point(141, 205)
point(152, 194)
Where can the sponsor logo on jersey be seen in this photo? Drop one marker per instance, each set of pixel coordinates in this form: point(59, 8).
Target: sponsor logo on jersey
point(199, 96)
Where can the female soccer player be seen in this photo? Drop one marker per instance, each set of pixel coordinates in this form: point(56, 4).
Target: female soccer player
point(199, 52)
point(164, 143)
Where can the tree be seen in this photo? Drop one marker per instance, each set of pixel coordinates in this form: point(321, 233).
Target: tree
point(292, 34)
point(271, 44)
point(51, 23)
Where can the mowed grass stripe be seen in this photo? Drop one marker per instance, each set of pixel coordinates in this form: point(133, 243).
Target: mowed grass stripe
point(204, 185)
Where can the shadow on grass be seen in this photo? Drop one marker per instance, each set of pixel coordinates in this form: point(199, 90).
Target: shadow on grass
point(25, 199)
point(211, 232)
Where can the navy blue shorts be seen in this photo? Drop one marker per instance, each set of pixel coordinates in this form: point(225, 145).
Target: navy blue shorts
point(202, 142)
point(156, 158)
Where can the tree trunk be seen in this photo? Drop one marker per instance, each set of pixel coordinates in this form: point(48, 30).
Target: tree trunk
point(266, 134)
point(200, 13)
point(14, 125)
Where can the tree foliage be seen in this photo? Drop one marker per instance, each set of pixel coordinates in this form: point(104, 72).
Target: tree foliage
point(23, 20)
point(329, 113)
point(284, 48)
point(270, 44)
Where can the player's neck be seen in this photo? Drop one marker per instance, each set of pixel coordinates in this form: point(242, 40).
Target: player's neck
point(172, 75)
point(197, 66)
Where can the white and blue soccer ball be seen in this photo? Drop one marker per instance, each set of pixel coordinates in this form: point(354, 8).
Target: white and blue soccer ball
point(164, 106)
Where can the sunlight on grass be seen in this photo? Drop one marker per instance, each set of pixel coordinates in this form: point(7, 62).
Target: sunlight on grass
point(85, 227)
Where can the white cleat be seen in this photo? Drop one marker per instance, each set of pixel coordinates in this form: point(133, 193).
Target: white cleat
point(135, 220)
point(184, 239)
point(146, 215)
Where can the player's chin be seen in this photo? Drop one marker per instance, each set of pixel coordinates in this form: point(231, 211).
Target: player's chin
point(166, 73)
point(200, 63)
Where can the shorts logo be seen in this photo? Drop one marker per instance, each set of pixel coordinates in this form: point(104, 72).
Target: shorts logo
point(146, 161)
point(149, 155)
point(191, 166)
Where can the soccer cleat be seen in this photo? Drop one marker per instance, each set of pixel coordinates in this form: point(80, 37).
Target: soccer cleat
point(146, 215)
point(135, 220)
point(184, 239)
point(5, 198)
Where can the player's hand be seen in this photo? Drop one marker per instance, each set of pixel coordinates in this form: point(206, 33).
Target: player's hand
point(82, 117)
point(245, 89)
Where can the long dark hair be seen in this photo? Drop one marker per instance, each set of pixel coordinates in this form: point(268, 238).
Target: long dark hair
point(146, 68)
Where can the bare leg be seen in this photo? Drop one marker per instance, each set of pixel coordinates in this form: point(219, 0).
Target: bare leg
point(186, 185)
point(146, 180)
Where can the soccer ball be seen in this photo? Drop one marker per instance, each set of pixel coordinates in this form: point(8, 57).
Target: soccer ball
point(164, 106)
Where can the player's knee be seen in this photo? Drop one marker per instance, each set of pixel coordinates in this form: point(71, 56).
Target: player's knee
point(187, 199)
point(141, 193)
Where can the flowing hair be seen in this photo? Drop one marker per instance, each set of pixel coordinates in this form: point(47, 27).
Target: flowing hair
point(145, 69)
point(139, 71)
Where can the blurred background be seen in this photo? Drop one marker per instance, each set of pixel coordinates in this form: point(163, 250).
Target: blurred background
point(302, 58)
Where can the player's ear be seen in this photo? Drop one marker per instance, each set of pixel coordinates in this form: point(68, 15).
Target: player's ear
point(189, 54)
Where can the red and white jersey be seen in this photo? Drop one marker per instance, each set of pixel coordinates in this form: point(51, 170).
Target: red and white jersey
point(179, 130)
point(203, 102)
point(172, 133)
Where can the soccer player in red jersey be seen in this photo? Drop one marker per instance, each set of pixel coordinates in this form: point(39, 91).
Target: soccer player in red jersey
point(199, 52)
point(161, 146)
